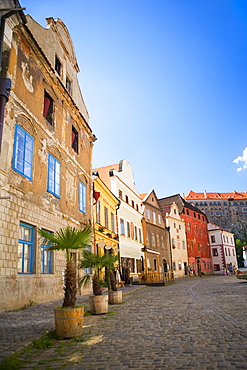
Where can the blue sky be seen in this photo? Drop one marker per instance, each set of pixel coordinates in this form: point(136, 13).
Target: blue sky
point(165, 84)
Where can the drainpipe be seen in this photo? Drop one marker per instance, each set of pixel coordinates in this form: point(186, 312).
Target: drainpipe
point(144, 249)
point(117, 232)
point(170, 247)
point(5, 83)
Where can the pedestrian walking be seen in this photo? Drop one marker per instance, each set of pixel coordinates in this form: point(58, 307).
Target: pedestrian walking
point(189, 270)
point(230, 269)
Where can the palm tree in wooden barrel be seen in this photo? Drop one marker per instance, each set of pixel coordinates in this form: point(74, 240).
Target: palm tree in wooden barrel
point(68, 239)
point(98, 302)
point(115, 295)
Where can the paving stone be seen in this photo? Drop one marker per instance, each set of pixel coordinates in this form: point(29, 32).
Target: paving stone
point(188, 325)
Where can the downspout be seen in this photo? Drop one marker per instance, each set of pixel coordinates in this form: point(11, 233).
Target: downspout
point(170, 247)
point(5, 83)
point(144, 249)
point(223, 257)
point(119, 258)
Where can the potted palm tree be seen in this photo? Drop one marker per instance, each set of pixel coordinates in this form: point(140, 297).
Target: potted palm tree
point(115, 295)
point(69, 317)
point(98, 301)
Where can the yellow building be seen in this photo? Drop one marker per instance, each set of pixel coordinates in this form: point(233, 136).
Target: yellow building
point(105, 206)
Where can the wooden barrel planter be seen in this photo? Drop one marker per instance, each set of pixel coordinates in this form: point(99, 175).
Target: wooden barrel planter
point(98, 304)
point(115, 297)
point(68, 322)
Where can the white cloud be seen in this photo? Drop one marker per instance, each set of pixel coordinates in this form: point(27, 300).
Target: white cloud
point(237, 159)
point(242, 158)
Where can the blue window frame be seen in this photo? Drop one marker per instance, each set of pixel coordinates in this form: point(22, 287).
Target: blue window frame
point(82, 197)
point(88, 270)
point(46, 260)
point(53, 176)
point(98, 211)
point(25, 249)
point(23, 152)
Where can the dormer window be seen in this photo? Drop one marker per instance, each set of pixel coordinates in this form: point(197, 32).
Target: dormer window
point(58, 66)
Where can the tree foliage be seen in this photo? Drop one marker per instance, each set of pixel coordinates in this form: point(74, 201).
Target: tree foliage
point(96, 263)
point(240, 234)
point(68, 239)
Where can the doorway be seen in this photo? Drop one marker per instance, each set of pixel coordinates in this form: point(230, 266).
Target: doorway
point(165, 265)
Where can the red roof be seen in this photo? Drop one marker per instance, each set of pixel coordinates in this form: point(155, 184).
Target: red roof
point(104, 173)
point(206, 195)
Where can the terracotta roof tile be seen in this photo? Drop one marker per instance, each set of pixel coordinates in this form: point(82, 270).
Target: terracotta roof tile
point(235, 195)
point(104, 173)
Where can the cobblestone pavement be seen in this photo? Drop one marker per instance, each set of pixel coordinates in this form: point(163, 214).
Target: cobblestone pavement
point(19, 328)
point(196, 323)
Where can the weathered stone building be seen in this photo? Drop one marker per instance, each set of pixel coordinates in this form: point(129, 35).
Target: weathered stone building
point(45, 159)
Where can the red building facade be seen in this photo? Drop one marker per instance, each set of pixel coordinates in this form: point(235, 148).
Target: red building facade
point(199, 254)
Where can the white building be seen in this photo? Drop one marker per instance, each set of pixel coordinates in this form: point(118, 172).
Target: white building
point(120, 180)
point(222, 247)
point(178, 241)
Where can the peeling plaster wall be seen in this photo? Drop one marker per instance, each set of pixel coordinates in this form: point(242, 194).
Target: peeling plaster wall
point(47, 38)
point(31, 73)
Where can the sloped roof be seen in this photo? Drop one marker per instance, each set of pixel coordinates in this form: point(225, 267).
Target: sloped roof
point(55, 39)
point(218, 228)
point(205, 195)
point(104, 173)
point(180, 202)
point(123, 171)
point(102, 183)
point(167, 201)
point(150, 198)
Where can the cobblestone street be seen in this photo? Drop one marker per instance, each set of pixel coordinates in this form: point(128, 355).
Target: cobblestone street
point(196, 323)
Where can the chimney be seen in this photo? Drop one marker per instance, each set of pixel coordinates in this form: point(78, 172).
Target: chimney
point(205, 194)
